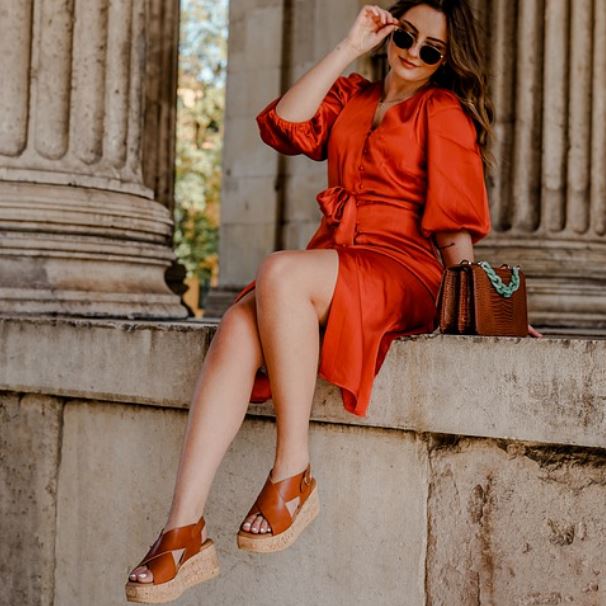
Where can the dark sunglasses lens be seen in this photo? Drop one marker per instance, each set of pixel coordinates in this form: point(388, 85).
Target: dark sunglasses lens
point(402, 39)
point(430, 55)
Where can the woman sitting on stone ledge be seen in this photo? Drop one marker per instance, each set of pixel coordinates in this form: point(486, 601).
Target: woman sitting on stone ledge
point(405, 197)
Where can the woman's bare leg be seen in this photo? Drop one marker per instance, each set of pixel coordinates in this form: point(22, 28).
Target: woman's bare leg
point(219, 404)
point(294, 292)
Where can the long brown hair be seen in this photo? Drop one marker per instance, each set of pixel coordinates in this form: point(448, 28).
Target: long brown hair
point(464, 72)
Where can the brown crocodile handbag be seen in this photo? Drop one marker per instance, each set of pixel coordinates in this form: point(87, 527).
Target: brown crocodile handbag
point(477, 299)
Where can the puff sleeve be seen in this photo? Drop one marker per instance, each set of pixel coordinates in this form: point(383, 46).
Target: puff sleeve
point(309, 137)
point(456, 192)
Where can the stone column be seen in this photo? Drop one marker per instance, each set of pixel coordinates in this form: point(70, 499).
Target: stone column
point(548, 192)
point(160, 117)
point(251, 198)
point(81, 230)
point(268, 200)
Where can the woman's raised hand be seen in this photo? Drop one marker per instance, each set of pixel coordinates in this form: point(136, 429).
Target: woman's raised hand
point(371, 26)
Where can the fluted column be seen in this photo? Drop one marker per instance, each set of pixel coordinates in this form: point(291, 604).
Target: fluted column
point(159, 124)
point(81, 230)
point(548, 190)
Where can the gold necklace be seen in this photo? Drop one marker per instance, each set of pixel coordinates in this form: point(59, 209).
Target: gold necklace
point(393, 100)
point(404, 98)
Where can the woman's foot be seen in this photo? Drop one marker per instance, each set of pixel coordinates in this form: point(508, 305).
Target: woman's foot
point(256, 522)
point(142, 574)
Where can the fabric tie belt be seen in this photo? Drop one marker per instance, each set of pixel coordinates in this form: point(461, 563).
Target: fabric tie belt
point(340, 208)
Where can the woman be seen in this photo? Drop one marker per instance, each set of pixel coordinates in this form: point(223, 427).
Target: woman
point(406, 196)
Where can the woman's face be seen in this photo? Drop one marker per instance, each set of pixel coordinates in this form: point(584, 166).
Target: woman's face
point(427, 26)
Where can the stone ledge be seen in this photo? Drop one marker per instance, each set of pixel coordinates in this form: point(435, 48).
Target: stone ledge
point(550, 390)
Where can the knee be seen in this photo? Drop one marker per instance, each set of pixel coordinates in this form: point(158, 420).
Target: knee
point(238, 330)
point(276, 272)
point(239, 316)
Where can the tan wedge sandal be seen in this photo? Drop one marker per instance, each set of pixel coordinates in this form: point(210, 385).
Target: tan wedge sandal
point(271, 504)
point(198, 563)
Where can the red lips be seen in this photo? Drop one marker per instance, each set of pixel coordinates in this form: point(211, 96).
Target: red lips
point(407, 63)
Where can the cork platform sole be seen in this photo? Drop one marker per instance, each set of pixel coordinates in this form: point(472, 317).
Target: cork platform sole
point(200, 567)
point(268, 542)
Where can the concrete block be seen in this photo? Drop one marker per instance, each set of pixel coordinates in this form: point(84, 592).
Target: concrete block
point(516, 524)
point(30, 438)
point(117, 476)
point(249, 200)
point(249, 246)
point(250, 90)
point(297, 234)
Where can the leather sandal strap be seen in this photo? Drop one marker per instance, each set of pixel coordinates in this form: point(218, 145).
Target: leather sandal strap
point(162, 567)
point(159, 558)
point(271, 502)
point(298, 485)
point(273, 508)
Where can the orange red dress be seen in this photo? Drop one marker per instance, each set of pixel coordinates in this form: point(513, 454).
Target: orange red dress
point(389, 189)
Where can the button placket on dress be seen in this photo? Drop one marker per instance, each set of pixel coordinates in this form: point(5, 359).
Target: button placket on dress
point(363, 155)
point(363, 158)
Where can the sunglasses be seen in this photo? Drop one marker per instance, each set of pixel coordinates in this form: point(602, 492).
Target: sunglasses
point(403, 39)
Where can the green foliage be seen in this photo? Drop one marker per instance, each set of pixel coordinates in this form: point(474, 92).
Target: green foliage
point(200, 109)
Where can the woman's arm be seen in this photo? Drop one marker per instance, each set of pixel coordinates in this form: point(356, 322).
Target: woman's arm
point(454, 246)
point(303, 98)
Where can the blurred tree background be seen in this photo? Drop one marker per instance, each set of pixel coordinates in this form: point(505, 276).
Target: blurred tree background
point(200, 108)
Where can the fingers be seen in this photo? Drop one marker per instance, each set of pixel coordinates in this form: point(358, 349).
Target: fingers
point(372, 25)
point(380, 15)
point(534, 332)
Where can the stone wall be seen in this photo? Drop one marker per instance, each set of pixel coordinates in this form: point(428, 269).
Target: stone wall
point(450, 492)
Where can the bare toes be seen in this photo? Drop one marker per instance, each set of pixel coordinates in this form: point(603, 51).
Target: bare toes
point(265, 526)
point(248, 522)
point(141, 574)
point(257, 524)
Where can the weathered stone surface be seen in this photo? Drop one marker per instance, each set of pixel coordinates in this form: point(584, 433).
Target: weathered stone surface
point(251, 242)
point(117, 475)
point(480, 509)
point(87, 158)
point(516, 524)
point(103, 362)
point(550, 390)
point(406, 518)
point(30, 452)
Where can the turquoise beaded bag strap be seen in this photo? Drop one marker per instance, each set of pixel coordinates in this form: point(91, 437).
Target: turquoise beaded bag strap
point(505, 290)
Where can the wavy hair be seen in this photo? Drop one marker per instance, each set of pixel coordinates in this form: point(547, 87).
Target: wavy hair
point(464, 72)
